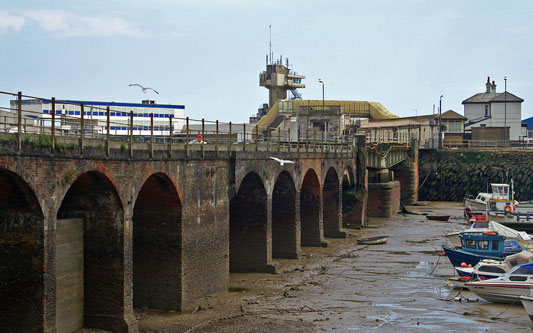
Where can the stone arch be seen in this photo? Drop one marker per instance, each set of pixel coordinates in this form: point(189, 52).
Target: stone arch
point(310, 210)
point(330, 203)
point(90, 256)
point(22, 262)
point(157, 243)
point(284, 231)
point(349, 199)
point(248, 226)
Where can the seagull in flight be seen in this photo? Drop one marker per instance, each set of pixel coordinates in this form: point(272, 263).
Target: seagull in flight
point(281, 162)
point(143, 88)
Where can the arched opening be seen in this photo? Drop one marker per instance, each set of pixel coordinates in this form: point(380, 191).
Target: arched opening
point(248, 227)
point(157, 238)
point(349, 200)
point(90, 256)
point(330, 204)
point(284, 236)
point(21, 256)
point(310, 210)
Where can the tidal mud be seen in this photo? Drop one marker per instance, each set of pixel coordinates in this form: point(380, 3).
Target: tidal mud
point(348, 287)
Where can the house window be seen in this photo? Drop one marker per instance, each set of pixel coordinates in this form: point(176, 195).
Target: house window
point(486, 110)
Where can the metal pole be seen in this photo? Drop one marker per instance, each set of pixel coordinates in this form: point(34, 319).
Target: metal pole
point(505, 114)
point(53, 148)
point(19, 121)
point(187, 137)
point(82, 129)
point(229, 140)
point(108, 134)
point(440, 123)
point(244, 137)
point(170, 117)
point(203, 137)
point(151, 135)
point(131, 134)
point(216, 143)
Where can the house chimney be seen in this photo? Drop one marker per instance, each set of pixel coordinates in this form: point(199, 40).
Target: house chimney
point(488, 84)
point(493, 87)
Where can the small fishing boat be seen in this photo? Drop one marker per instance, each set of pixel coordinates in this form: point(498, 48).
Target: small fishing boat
point(507, 288)
point(438, 217)
point(490, 269)
point(373, 240)
point(477, 246)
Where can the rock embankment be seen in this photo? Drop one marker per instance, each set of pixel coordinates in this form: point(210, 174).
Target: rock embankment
point(450, 175)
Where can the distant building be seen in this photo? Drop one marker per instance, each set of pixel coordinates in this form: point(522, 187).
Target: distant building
point(95, 115)
point(424, 128)
point(494, 110)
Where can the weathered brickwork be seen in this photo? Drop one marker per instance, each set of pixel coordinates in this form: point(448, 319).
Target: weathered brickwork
point(384, 199)
point(177, 224)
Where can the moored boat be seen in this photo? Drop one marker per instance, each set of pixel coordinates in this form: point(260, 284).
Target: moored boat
point(438, 217)
point(507, 288)
point(373, 240)
point(527, 302)
point(477, 246)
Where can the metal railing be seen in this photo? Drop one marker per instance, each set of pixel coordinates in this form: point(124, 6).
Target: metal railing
point(78, 131)
point(459, 143)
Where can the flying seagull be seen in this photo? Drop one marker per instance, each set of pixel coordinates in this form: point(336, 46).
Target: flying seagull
point(143, 88)
point(281, 162)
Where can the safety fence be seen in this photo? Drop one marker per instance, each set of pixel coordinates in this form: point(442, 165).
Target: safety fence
point(80, 126)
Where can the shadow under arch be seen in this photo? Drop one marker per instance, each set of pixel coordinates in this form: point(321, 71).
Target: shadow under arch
point(22, 256)
point(310, 210)
point(284, 230)
point(157, 243)
point(330, 204)
point(248, 227)
point(90, 256)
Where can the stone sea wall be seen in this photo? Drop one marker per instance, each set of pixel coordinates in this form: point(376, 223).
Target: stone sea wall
point(450, 175)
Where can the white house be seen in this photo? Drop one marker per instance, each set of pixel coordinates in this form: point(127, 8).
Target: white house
point(494, 109)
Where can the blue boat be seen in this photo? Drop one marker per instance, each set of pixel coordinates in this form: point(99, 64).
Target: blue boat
point(477, 246)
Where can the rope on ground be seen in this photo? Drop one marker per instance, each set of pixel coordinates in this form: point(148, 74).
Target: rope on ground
point(454, 297)
point(434, 268)
point(496, 316)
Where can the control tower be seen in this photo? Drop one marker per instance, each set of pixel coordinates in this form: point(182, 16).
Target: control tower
point(279, 79)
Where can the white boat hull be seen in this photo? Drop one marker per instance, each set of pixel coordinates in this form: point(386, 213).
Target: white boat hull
point(527, 301)
point(499, 291)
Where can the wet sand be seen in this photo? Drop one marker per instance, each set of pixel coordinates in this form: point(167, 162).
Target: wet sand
point(349, 287)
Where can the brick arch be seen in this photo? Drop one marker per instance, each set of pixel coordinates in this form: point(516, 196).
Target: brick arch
point(330, 203)
point(21, 248)
point(90, 221)
point(73, 172)
point(284, 230)
point(248, 226)
point(160, 173)
point(249, 171)
point(310, 209)
point(157, 243)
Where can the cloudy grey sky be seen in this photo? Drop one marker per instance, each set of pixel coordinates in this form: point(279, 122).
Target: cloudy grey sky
point(207, 54)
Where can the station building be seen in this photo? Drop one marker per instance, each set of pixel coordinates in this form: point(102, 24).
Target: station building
point(68, 112)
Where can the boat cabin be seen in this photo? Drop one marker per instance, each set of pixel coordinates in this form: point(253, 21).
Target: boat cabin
point(488, 243)
point(521, 273)
point(500, 191)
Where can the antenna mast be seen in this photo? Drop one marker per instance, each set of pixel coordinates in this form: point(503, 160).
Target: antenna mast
point(270, 42)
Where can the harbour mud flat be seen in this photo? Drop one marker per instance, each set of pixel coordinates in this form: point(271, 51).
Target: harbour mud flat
point(397, 286)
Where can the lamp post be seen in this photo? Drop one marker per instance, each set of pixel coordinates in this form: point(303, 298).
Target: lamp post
point(323, 109)
point(440, 123)
point(505, 113)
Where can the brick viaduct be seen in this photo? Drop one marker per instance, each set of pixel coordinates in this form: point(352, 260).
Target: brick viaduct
point(86, 239)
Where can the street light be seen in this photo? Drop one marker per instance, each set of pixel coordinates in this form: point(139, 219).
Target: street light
point(440, 124)
point(320, 80)
point(505, 113)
